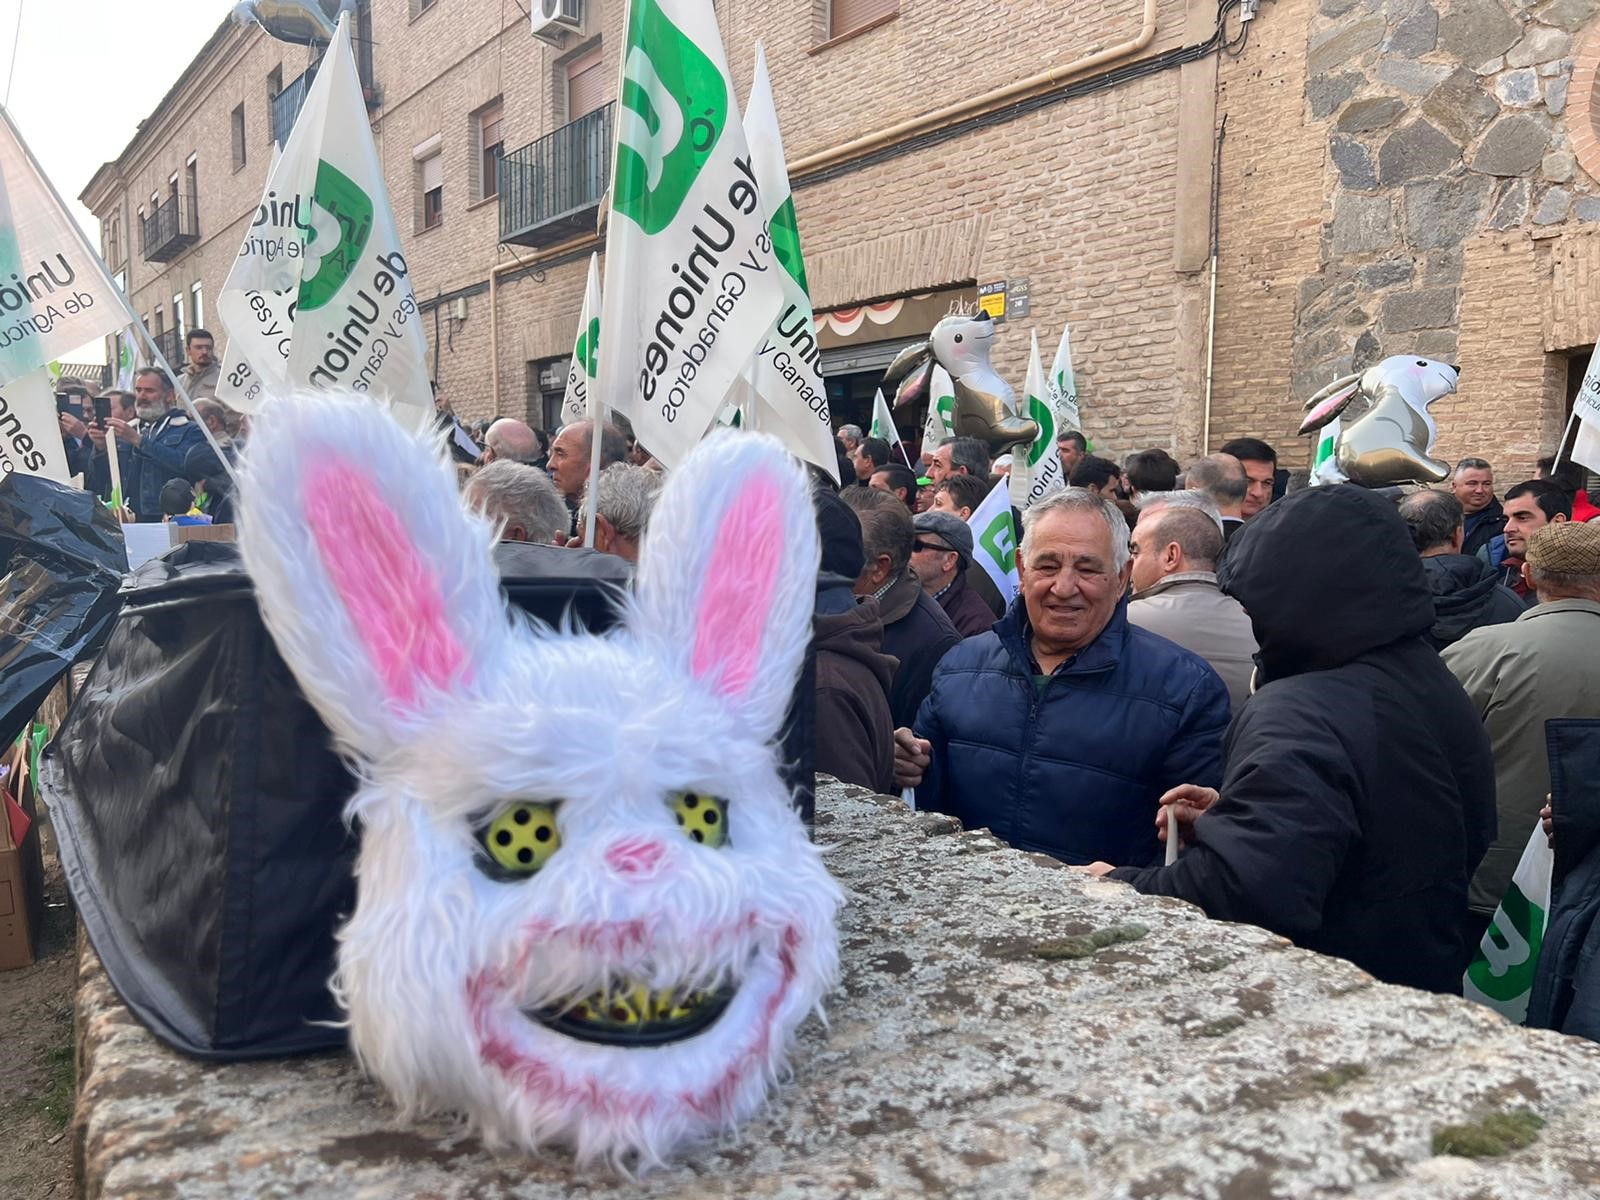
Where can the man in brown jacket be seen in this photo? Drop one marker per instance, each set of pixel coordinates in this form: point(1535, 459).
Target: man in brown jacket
point(940, 559)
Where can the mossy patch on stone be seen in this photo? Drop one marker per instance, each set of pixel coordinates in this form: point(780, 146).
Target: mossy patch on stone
point(1221, 1026)
point(1083, 945)
point(1335, 1078)
point(1496, 1134)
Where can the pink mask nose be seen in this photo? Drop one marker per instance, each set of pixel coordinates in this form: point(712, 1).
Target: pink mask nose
point(635, 858)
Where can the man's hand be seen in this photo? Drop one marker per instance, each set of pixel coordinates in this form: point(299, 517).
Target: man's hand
point(1097, 869)
point(1188, 801)
point(72, 427)
point(1547, 818)
point(127, 431)
point(911, 757)
point(97, 435)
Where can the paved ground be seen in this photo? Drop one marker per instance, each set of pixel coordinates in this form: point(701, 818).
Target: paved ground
point(1005, 1028)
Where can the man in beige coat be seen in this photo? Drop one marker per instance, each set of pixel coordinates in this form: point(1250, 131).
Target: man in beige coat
point(1544, 664)
point(1175, 548)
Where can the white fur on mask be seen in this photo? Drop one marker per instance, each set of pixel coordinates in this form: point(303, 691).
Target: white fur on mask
point(382, 596)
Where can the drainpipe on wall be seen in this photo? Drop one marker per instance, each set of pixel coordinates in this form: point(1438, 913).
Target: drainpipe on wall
point(1211, 312)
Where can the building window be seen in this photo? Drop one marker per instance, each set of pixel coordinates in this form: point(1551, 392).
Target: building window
point(274, 81)
point(177, 316)
point(488, 145)
point(587, 85)
point(161, 322)
point(238, 136)
point(197, 312)
point(847, 16)
point(430, 187)
point(191, 183)
point(418, 7)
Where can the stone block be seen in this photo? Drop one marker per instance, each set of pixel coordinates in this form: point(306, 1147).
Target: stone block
point(1429, 308)
point(1460, 106)
point(1587, 208)
point(1511, 209)
point(1416, 151)
point(1337, 8)
point(1354, 163)
point(1413, 78)
point(1477, 30)
point(1555, 94)
point(1445, 212)
point(1558, 165)
point(1441, 345)
point(1518, 89)
point(1342, 43)
point(1376, 112)
point(1361, 224)
point(1326, 93)
point(1513, 146)
point(1368, 350)
point(1443, 265)
point(1571, 15)
point(1415, 36)
point(1490, 66)
point(1386, 274)
point(1540, 44)
point(1555, 206)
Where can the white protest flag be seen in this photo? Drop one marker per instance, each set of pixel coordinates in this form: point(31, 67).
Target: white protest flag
point(1586, 414)
point(326, 237)
point(1327, 441)
point(787, 373)
point(1038, 465)
point(585, 364)
point(55, 295)
point(238, 385)
point(1501, 971)
point(127, 362)
point(994, 542)
point(941, 410)
point(691, 283)
point(883, 424)
point(1061, 386)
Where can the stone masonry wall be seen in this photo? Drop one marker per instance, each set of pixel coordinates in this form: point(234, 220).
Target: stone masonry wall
point(1004, 1028)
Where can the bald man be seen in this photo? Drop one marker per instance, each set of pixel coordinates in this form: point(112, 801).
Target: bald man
point(509, 438)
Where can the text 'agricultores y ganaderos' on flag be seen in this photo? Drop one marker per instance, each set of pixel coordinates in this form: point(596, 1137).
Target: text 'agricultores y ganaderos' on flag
point(691, 285)
point(55, 296)
point(320, 295)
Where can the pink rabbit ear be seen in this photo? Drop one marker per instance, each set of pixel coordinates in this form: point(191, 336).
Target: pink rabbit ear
point(377, 585)
point(728, 571)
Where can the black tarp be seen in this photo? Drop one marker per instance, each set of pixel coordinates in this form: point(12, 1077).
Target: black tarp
point(198, 802)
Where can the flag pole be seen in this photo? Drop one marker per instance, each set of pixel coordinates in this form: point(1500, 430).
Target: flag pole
point(1565, 445)
point(105, 275)
point(596, 438)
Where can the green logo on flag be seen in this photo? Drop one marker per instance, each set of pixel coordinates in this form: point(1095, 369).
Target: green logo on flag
point(785, 232)
point(945, 406)
point(339, 196)
point(1040, 412)
point(999, 540)
point(674, 108)
point(587, 351)
point(1504, 965)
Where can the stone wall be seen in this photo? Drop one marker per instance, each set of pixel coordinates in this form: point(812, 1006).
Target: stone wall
point(1004, 1028)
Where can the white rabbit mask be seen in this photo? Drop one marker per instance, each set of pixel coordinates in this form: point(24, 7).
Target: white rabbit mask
point(586, 912)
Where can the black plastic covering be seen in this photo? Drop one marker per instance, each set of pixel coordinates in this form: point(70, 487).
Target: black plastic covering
point(198, 802)
point(63, 561)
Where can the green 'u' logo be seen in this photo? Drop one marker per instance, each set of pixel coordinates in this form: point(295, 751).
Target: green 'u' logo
point(587, 351)
point(1040, 412)
point(673, 111)
point(785, 232)
point(1506, 969)
point(339, 196)
point(999, 539)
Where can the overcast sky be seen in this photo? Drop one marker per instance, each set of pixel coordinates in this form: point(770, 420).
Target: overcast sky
point(88, 71)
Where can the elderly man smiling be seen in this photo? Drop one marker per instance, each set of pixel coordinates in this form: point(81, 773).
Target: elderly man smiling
point(1061, 727)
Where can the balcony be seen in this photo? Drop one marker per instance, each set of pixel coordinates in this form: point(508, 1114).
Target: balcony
point(551, 190)
point(170, 345)
point(171, 229)
point(286, 106)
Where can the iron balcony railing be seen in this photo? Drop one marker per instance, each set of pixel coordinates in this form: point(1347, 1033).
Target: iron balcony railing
point(549, 190)
point(171, 346)
point(286, 106)
point(171, 229)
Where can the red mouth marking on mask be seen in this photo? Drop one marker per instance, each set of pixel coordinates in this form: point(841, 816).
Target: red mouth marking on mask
point(547, 1081)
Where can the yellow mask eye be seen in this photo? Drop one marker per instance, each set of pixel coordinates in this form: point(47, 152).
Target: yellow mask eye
point(704, 818)
point(523, 837)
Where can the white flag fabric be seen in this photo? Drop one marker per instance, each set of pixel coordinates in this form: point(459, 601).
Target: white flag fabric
point(30, 433)
point(691, 283)
point(994, 544)
point(585, 365)
point(327, 232)
point(882, 420)
point(1501, 972)
point(1586, 409)
point(1039, 467)
point(1062, 386)
point(1586, 446)
point(127, 361)
point(238, 385)
point(941, 410)
point(55, 295)
point(787, 373)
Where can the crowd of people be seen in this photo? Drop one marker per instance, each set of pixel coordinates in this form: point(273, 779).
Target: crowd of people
point(1336, 697)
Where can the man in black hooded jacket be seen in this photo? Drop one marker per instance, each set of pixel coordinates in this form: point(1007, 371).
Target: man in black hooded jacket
point(1467, 592)
point(1358, 792)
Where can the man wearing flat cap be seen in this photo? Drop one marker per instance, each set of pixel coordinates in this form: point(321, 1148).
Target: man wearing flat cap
point(1544, 664)
point(940, 557)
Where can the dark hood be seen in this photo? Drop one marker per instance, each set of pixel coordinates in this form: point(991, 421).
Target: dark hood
point(857, 634)
point(1463, 590)
point(1326, 575)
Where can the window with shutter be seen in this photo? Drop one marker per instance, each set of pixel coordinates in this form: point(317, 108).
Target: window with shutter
point(432, 190)
point(587, 86)
point(847, 15)
point(490, 147)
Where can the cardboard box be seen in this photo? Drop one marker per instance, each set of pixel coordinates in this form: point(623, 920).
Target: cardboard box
point(21, 868)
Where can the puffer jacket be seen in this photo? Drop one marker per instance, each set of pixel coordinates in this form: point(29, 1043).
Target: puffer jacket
point(1566, 985)
point(1074, 764)
point(1359, 792)
point(1467, 594)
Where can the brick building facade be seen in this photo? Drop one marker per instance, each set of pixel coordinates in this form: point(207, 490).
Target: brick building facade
point(1400, 177)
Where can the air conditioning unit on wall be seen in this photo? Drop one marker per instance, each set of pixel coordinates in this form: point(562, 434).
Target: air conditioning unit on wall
point(554, 19)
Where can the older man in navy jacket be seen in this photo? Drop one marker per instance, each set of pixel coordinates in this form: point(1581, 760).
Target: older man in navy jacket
point(1061, 728)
